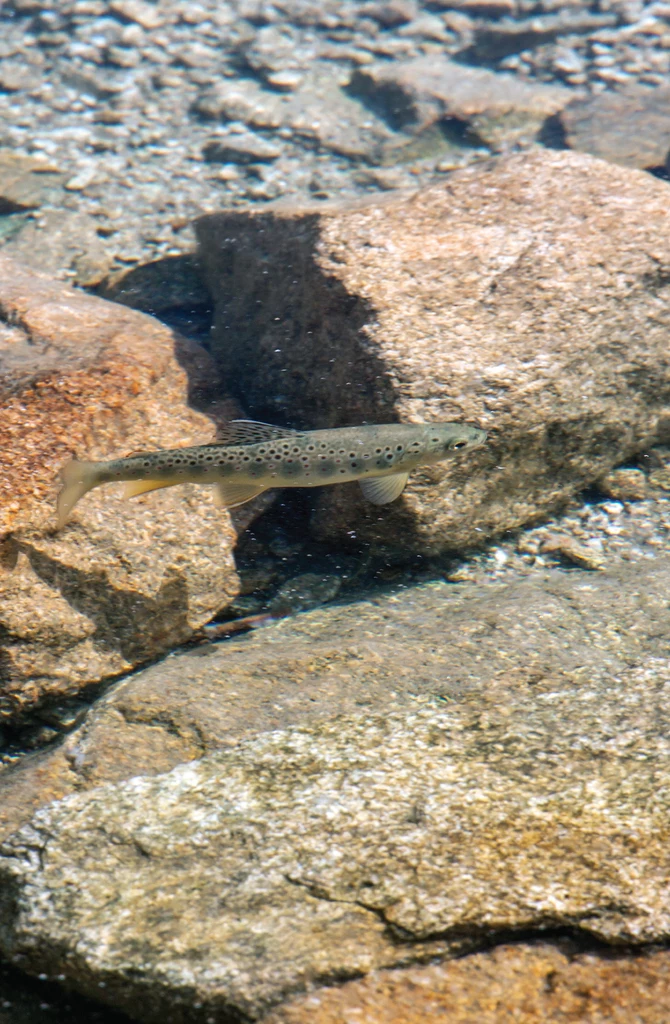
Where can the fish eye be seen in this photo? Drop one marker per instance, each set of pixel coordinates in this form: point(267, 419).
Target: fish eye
point(455, 445)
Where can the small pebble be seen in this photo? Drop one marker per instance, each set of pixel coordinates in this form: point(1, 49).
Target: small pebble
point(624, 484)
point(568, 548)
point(304, 592)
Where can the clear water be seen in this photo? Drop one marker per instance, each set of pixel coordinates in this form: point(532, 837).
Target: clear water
point(121, 116)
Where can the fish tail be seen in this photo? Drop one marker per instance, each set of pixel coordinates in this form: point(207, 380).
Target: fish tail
point(78, 478)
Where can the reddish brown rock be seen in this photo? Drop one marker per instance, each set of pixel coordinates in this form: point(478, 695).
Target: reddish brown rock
point(537, 983)
point(529, 295)
point(123, 581)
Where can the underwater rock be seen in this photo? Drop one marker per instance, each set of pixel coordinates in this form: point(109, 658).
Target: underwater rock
point(301, 593)
point(319, 110)
point(527, 295)
point(496, 40)
point(434, 642)
point(498, 109)
point(26, 182)
point(533, 983)
point(626, 484)
point(124, 581)
point(164, 286)
point(64, 243)
point(242, 100)
point(246, 148)
point(371, 841)
point(629, 126)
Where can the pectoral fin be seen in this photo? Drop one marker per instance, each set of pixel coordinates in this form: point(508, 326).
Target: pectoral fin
point(135, 487)
point(382, 489)
point(231, 494)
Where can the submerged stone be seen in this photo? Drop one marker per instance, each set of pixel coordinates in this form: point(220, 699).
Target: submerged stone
point(526, 296)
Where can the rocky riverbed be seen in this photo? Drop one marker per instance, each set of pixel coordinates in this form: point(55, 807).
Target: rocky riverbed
point(440, 788)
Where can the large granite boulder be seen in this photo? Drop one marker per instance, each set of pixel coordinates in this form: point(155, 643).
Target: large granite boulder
point(435, 641)
point(124, 581)
point(528, 295)
point(462, 765)
point(312, 853)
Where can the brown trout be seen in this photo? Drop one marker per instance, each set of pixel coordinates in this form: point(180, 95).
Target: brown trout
point(252, 457)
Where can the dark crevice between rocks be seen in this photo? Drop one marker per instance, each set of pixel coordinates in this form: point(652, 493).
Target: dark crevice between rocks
point(26, 1000)
point(397, 109)
point(553, 134)
point(44, 1001)
point(574, 940)
point(172, 290)
point(278, 548)
point(31, 732)
point(169, 289)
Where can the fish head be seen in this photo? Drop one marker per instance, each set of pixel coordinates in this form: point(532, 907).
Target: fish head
point(443, 440)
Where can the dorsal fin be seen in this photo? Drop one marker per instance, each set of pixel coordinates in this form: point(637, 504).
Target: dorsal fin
point(251, 432)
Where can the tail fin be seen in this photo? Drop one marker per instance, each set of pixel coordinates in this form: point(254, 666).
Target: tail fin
point(78, 478)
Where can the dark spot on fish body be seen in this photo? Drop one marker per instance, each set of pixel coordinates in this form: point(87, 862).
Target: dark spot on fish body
point(292, 468)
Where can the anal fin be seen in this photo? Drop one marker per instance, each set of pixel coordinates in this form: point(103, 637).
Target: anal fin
point(135, 487)
point(230, 494)
point(380, 490)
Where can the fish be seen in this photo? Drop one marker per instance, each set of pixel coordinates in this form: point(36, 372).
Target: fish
point(250, 457)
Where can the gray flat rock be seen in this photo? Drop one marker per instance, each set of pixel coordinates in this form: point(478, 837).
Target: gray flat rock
point(500, 109)
point(311, 854)
point(629, 127)
point(438, 641)
point(509, 770)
